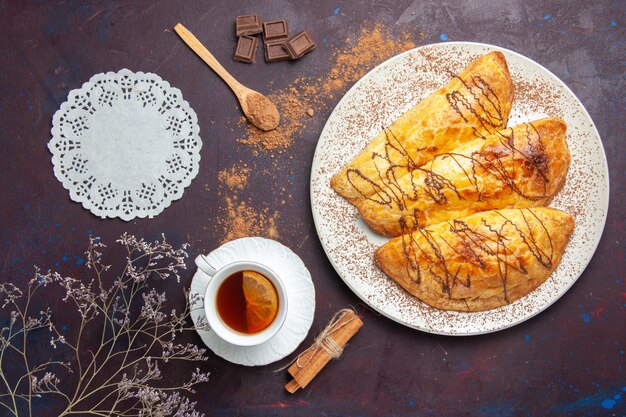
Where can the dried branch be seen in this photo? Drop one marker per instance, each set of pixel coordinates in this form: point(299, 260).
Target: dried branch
point(137, 335)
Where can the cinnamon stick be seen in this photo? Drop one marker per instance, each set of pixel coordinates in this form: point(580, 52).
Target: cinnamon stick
point(316, 357)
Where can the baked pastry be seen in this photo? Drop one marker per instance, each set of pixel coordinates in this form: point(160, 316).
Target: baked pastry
point(473, 104)
point(524, 166)
point(479, 262)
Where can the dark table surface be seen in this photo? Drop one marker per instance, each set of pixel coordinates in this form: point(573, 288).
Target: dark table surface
point(568, 361)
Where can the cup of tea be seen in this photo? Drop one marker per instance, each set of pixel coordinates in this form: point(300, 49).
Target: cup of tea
point(245, 302)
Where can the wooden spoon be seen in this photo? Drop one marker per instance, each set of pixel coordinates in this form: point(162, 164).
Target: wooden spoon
point(258, 109)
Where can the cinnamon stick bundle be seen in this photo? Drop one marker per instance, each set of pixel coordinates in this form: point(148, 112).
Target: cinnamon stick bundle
point(328, 345)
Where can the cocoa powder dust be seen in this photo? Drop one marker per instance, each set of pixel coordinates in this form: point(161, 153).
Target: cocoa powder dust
point(239, 216)
point(306, 96)
point(299, 104)
point(261, 112)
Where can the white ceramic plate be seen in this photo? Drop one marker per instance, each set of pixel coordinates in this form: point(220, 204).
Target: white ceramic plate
point(300, 292)
point(381, 97)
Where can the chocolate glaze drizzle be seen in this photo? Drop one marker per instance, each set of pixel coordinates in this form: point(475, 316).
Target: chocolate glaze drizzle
point(478, 247)
point(488, 119)
point(474, 100)
point(509, 161)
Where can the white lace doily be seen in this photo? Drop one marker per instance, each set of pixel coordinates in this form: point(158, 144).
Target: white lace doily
point(125, 144)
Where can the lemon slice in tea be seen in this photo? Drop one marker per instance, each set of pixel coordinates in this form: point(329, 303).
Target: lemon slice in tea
point(261, 301)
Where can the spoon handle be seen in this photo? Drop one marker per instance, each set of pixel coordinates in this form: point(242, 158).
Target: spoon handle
point(207, 57)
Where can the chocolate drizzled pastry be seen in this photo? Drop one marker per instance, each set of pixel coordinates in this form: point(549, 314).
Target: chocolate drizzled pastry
point(478, 262)
point(473, 104)
point(524, 166)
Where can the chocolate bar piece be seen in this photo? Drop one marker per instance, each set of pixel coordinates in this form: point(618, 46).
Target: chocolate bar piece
point(299, 45)
point(275, 30)
point(246, 49)
point(275, 52)
point(248, 25)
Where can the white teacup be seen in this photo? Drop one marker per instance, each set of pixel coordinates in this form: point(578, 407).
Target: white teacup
point(217, 324)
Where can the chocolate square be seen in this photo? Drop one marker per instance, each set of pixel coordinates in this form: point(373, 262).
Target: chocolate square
point(299, 45)
point(276, 29)
point(248, 25)
point(246, 49)
point(274, 51)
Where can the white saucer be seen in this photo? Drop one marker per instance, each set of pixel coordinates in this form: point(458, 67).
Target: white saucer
point(300, 291)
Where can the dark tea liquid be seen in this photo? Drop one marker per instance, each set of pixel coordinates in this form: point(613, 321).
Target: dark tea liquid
point(231, 303)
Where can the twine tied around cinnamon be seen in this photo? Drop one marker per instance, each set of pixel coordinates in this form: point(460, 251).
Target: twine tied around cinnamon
point(324, 340)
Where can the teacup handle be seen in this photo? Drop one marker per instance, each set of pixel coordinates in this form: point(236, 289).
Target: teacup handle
point(204, 266)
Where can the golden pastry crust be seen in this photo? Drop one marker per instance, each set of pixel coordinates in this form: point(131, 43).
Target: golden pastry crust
point(524, 166)
point(474, 104)
point(478, 262)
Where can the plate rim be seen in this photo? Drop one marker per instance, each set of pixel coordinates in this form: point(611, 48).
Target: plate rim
point(604, 206)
